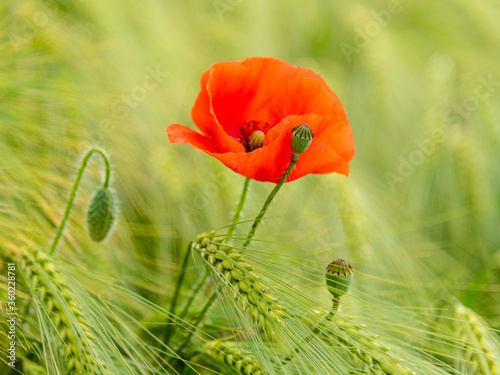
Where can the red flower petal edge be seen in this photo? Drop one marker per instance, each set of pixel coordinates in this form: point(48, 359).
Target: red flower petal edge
point(271, 96)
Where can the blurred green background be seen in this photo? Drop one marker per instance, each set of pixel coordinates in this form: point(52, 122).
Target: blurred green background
point(418, 216)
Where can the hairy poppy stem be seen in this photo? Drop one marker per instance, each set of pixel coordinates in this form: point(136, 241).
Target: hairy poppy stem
point(72, 196)
point(269, 199)
point(168, 330)
point(209, 303)
point(196, 290)
point(239, 208)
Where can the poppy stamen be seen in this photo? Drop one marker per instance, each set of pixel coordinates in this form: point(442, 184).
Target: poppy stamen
point(256, 140)
point(252, 134)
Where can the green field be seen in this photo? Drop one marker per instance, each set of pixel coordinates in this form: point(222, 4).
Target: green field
point(418, 217)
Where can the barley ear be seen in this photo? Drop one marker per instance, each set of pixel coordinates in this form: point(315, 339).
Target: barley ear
point(230, 355)
point(481, 346)
point(253, 297)
point(75, 341)
point(369, 352)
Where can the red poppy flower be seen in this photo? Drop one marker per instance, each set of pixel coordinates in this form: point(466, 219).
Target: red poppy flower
point(260, 99)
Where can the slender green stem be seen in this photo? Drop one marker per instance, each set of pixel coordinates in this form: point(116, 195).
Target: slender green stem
point(196, 290)
point(173, 304)
point(169, 330)
point(269, 199)
point(200, 318)
point(328, 317)
point(72, 196)
point(239, 208)
point(250, 235)
point(189, 369)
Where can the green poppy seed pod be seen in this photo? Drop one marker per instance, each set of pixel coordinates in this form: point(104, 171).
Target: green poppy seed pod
point(339, 275)
point(101, 214)
point(302, 137)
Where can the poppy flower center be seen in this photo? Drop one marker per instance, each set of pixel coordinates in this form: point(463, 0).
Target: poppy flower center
point(251, 134)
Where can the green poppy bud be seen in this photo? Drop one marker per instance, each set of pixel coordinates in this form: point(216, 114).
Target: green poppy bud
point(101, 214)
point(339, 275)
point(302, 137)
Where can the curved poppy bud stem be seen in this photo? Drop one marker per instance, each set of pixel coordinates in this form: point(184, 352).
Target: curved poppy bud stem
point(72, 196)
point(300, 141)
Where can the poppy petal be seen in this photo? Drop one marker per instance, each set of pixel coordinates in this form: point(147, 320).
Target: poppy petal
point(273, 92)
point(338, 135)
point(256, 164)
point(319, 158)
point(182, 134)
point(204, 118)
point(239, 90)
point(297, 97)
point(200, 113)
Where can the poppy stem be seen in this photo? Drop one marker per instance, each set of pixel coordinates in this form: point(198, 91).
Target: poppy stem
point(169, 328)
point(236, 217)
point(196, 290)
point(76, 184)
point(203, 312)
point(269, 199)
point(239, 208)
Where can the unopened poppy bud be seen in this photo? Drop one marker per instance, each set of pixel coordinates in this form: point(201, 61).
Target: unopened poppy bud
point(101, 214)
point(302, 137)
point(256, 139)
point(339, 275)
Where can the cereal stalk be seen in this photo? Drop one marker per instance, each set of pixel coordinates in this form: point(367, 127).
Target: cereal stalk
point(239, 208)
point(169, 327)
point(198, 321)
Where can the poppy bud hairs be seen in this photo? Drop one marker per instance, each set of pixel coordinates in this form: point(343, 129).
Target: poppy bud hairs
point(246, 112)
point(101, 214)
